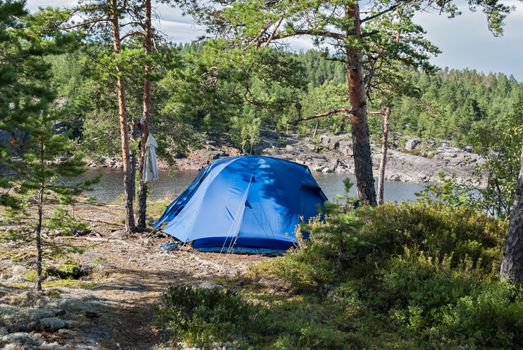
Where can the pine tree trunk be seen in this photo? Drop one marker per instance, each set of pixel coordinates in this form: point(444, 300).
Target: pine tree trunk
point(384, 148)
point(38, 231)
point(128, 180)
point(142, 194)
point(359, 121)
point(512, 261)
point(39, 239)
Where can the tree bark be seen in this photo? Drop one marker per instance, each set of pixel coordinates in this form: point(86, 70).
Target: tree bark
point(359, 121)
point(147, 43)
point(384, 148)
point(512, 261)
point(38, 231)
point(39, 239)
point(122, 116)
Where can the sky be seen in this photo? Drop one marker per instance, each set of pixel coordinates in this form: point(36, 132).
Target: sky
point(465, 41)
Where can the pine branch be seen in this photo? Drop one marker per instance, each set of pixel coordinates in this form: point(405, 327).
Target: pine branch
point(324, 114)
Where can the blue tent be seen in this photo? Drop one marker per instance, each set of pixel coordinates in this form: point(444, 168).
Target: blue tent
point(246, 203)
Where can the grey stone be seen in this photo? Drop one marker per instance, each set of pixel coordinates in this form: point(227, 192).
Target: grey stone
point(52, 323)
point(412, 144)
point(169, 246)
point(21, 338)
point(52, 346)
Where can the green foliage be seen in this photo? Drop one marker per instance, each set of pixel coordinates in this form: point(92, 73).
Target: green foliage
point(404, 276)
point(62, 223)
point(499, 141)
point(452, 103)
point(69, 269)
point(491, 319)
point(448, 193)
point(221, 89)
point(204, 317)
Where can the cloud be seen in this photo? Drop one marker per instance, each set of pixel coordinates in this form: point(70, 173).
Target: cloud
point(465, 41)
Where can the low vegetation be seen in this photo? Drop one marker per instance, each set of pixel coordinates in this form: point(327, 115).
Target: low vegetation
point(404, 276)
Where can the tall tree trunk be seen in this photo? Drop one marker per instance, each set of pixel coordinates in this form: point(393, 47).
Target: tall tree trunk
point(124, 133)
point(512, 261)
point(384, 148)
point(359, 121)
point(147, 43)
point(38, 231)
point(39, 239)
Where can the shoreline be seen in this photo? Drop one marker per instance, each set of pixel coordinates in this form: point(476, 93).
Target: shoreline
point(329, 153)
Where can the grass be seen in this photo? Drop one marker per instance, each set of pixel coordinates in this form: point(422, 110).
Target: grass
point(67, 283)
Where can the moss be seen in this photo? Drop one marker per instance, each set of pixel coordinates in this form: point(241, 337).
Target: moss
point(14, 235)
point(70, 269)
point(69, 284)
point(53, 293)
point(31, 276)
point(19, 285)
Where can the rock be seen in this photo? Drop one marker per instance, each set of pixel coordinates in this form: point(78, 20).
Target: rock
point(67, 333)
point(3, 331)
point(170, 246)
point(52, 346)
point(91, 314)
point(207, 285)
point(76, 306)
point(345, 148)
point(412, 144)
point(52, 324)
point(19, 338)
point(327, 170)
point(468, 149)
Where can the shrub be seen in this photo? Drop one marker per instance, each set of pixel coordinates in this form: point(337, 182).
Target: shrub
point(492, 319)
point(204, 317)
point(406, 276)
point(61, 222)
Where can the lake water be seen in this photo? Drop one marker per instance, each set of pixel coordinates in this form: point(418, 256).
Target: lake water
point(171, 184)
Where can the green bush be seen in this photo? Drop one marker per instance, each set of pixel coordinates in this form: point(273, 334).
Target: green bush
point(492, 319)
point(60, 222)
point(204, 317)
point(409, 276)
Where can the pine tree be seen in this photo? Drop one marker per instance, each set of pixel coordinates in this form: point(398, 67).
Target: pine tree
point(43, 158)
point(512, 261)
point(357, 35)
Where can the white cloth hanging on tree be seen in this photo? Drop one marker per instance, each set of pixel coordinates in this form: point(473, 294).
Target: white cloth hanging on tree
point(151, 166)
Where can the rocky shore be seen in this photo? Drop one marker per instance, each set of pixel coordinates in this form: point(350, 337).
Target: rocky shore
point(408, 160)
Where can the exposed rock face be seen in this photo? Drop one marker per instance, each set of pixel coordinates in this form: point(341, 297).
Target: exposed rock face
point(52, 324)
point(330, 153)
point(333, 153)
point(412, 144)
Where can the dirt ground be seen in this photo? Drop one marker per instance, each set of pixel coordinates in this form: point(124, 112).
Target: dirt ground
point(113, 307)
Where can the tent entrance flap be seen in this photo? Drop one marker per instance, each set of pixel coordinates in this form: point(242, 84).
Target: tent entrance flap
point(237, 220)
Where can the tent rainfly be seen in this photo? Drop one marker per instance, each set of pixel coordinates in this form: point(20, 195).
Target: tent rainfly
point(244, 204)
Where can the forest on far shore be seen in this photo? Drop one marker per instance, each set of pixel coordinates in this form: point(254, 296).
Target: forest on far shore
point(448, 104)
